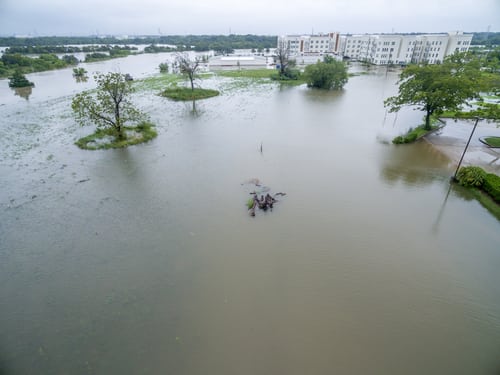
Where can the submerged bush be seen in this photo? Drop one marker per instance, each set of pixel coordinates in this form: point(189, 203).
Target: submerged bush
point(19, 80)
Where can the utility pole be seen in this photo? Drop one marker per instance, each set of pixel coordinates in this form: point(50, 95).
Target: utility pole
point(465, 149)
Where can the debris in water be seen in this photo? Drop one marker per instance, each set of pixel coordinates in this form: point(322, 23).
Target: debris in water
point(263, 202)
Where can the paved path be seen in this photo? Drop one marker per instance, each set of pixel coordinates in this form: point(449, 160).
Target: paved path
point(451, 141)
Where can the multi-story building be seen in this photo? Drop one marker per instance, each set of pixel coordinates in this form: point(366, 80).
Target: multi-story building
point(382, 49)
point(315, 45)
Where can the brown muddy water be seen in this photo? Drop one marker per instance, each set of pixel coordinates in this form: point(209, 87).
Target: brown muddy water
point(145, 261)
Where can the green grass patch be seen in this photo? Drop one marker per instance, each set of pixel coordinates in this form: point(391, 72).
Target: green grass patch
point(492, 141)
point(261, 75)
point(414, 134)
point(247, 73)
point(300, 80)
point(157, 82)
point(185, 93)
point(108, 138)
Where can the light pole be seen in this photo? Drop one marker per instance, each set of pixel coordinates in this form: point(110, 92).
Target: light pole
point(465, 149)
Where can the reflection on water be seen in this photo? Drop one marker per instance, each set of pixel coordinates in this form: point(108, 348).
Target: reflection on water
point(415, 164)
point(81, 78)
point(23, 92)
point(145, 260)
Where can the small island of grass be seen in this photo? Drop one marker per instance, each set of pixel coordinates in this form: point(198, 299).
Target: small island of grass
point(185, 93)
point(106, 138)
point(491, 141)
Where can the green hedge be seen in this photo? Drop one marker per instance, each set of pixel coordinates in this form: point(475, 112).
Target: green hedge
point(471, 176)
point(477, 177)
point(491, 185)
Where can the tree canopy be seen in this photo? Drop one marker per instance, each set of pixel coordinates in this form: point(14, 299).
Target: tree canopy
point(188, 67)
point(18, 79)
point(436, 88)
point(329, 74)
point(111, 108)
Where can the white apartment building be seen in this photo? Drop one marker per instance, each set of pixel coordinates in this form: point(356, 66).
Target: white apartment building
point(311, 45)
point(382, 49)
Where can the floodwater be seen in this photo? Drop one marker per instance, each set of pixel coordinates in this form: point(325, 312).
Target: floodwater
point(145, 261)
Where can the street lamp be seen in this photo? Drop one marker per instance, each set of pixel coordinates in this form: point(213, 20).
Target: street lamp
point(465, 149)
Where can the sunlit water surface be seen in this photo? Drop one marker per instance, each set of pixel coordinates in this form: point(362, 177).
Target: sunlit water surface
point(145, 261)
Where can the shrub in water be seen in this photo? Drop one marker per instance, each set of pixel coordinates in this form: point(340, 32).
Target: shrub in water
point(471, 176)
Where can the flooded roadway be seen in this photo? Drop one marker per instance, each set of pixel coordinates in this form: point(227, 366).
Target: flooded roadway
point(145, 260)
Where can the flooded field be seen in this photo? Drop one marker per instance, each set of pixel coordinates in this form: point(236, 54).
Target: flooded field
point(145, 260)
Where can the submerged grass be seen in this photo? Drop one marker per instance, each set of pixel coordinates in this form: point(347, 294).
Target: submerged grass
point(108, 138)
point(185, 93)
point(246, 73)
point(260, 76)
point(157, 82)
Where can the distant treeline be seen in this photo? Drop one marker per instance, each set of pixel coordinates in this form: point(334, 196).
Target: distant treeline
point(19, 62)
point(15, 62)
point(194, 42)
point(39, 49)
point(488, 39)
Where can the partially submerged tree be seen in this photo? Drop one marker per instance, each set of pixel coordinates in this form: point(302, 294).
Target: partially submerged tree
point(436, 88)
point(79, 72)
point(188, 67)
point(163, 67)
point(18, 79)
point(330, 74)
point(282, 56)
point(111, 107)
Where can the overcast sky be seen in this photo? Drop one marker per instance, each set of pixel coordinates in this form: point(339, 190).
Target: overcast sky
point(265, 17)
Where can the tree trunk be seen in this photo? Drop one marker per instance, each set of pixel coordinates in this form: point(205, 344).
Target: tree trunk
point(118, 122)
point(428, 120)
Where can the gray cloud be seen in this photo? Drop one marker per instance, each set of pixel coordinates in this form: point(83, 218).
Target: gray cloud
point(66, 17)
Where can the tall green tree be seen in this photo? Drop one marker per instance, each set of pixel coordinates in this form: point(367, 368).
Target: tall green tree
point(329, 74)
point(437, 88)
point(111, 107)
